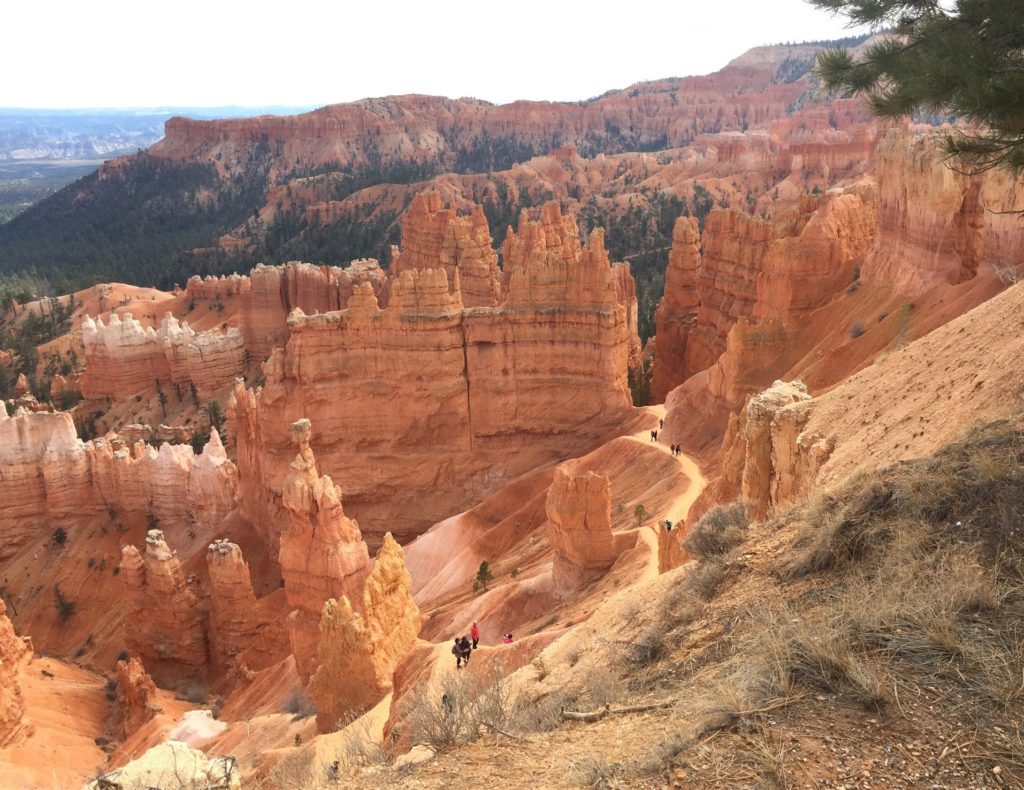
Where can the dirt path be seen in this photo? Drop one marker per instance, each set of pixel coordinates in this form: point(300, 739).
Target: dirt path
point(680, 506)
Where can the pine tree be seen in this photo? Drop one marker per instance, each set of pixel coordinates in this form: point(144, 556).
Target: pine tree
point(963, 58)
point(483, 575)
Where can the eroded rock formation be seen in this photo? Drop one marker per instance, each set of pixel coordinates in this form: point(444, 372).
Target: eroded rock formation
point(171, 483)
point(14, 653)
point(358, 651)
point(760, 449)
point(676, 315)
point(235, 618)
point(163, 622)
point(424, 378)
point(322, 552)
point(122, 357)
point(45, 474)
point(136, 696)
point(579, 527)
point(935, 224)
point(48, 474)
point(763, 272)
point(269, 294)
point(435, 237)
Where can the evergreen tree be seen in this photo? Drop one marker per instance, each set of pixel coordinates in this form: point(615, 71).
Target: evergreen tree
point(964, 58)
point(483, 575)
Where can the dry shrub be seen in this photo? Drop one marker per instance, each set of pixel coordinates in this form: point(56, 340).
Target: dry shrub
point(461, 712)
point(719, 530)
point(602, 686)
point(544, 713)
point(648, 648)
point(593, 771)
point(816, 653)
point(702, 581)
point(299, 704)
point(446, 720)
point(359, 748)
point(293, 772)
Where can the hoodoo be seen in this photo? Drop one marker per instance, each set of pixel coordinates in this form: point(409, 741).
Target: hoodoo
point(579, 527)
point(323, 555)
point(163, 621)
point(426, 376)
point(359, 650)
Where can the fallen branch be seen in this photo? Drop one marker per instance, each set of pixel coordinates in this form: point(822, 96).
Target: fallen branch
point(597, 715)
point(502, 732)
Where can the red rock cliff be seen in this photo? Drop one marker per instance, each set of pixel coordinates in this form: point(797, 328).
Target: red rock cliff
point(936, 225)
point(425, 378)
point(14, 653)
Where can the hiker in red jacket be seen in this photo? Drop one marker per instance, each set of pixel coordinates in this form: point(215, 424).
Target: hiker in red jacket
point(474, 632)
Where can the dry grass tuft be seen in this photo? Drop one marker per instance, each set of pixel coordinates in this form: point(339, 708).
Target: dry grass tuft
point(719, 531)
point(971, 490)
point(595, 771)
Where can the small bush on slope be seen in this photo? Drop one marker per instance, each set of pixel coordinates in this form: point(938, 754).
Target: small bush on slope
point(719, 530)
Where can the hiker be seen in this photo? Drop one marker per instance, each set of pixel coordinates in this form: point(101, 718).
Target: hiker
point(654, 435)
point(457, 652)
point(474, 631)
point(466, 649)
point(507, 639)
point(661, 423)
point(668, 525)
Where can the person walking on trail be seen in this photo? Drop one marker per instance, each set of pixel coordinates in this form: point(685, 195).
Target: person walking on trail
point(661, 423)
point(507, 639)
point(474, 631)
point(461, 651)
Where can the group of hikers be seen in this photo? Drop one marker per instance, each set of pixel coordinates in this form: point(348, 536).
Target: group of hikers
point(464, 647)
point(676, 449)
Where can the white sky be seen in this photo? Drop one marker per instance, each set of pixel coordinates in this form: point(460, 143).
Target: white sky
point(114, 53)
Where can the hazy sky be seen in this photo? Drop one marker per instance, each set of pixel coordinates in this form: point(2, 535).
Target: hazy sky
point(113, 53)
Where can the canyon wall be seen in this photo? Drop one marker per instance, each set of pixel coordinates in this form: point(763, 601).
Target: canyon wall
point(428, 131)
point(490, 391)
point(785, 444)
point(122, 357)
point(754, 275)
point(789, 296)
point(48, 475)
point(938, 226)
